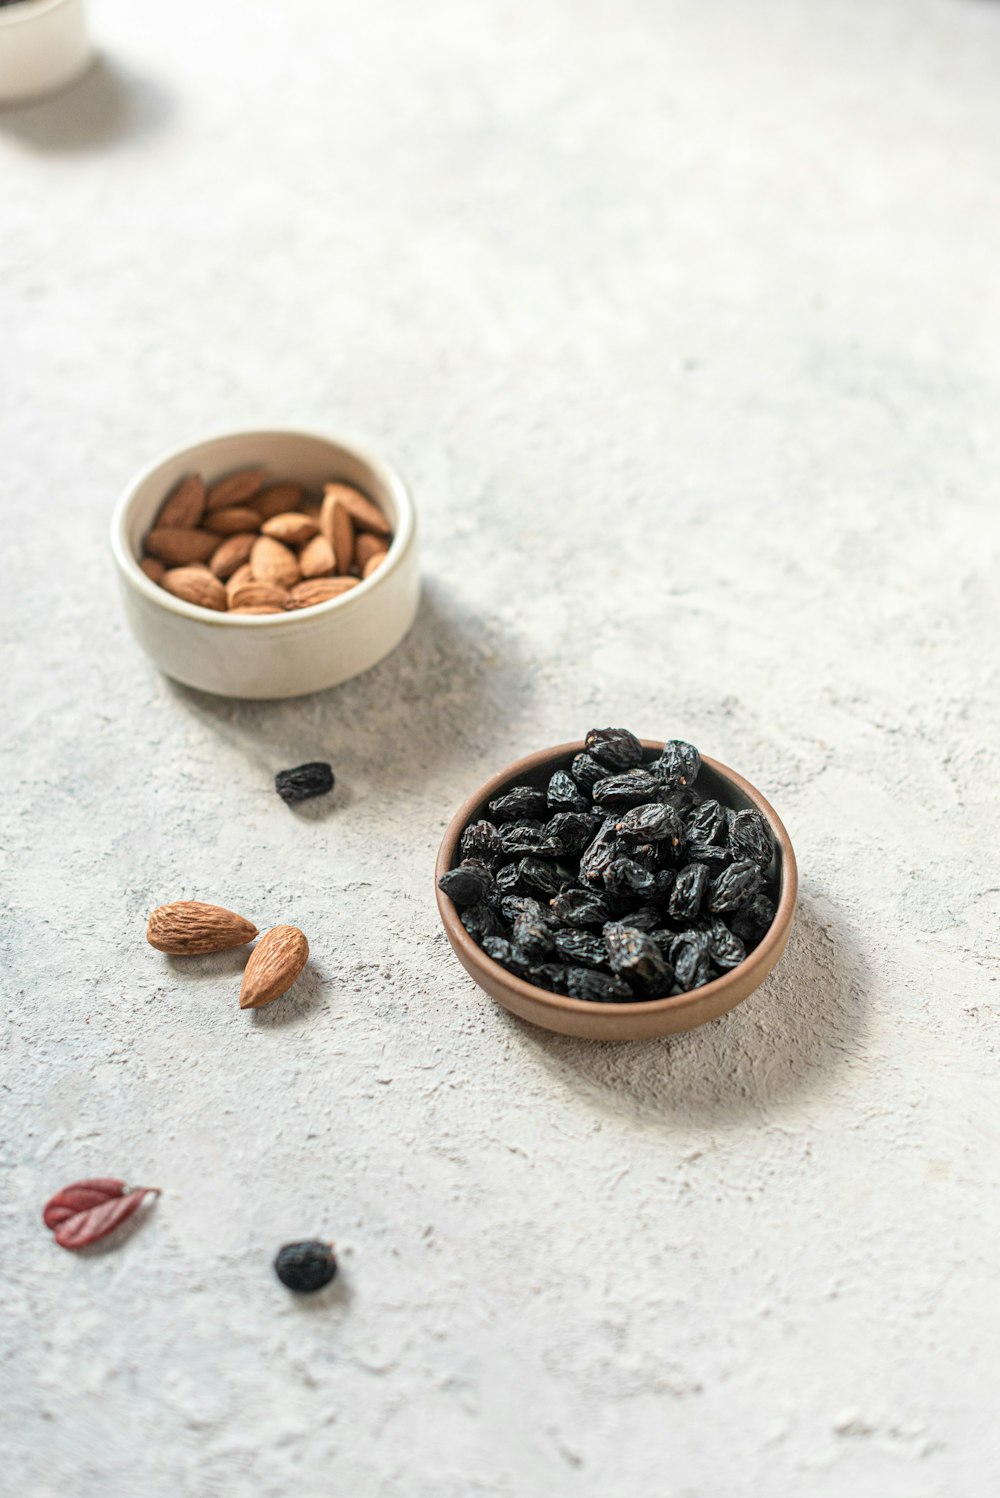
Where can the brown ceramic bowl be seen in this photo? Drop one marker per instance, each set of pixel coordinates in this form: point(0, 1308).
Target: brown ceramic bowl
point(651, 1017)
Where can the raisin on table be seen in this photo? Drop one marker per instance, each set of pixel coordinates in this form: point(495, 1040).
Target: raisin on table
point(304, 782)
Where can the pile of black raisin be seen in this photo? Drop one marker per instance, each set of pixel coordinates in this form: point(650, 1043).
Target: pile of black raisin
point(616, 881)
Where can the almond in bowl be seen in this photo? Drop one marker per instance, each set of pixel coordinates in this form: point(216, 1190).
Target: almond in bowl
point(267, 564)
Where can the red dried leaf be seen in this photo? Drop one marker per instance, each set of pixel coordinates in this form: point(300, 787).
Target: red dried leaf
point(89, 1210)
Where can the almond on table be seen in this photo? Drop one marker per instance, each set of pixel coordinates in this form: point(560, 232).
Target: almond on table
point(251, 543)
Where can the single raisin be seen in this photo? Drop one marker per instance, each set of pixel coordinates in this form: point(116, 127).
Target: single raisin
point(620, 792)
point(468, 884)
point(692, 964)
point(601, 851)
point(679, 764)
point(750, 923)
point(306, 1266)
point(565, 795)
point(724, 946)
point(512, 906)
point(305, 781)
point(706, 823)
point(734, 886)
point(550, 975)
point(580, 908)
point(531, 939)
point(571, 831)
point(615, 747)
point(688, 892)
point(481, 840)
point(582, 948)
point(524, 803)
point(498, 947)
point(521, 838)
point(481, 920)
point(596, 987)
point(636, 957)
point(652, 822)
point(750, 837)
point(624, 876)
point(587, 771)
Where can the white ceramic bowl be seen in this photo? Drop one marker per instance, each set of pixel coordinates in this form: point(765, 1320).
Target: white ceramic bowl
point(270, 655)
point(43, 47)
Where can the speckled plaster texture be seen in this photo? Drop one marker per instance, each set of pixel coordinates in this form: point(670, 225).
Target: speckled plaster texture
point(683, 321)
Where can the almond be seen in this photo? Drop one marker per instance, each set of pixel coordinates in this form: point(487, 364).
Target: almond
point(336, 525)
point(271, 562)
point(238, 578)
point(229, 522)
point(366, 546)
point(319, 590)
point(186, 505)
point(250, 595)
point(177, 546)
point(312, 510)
point(277, 500)
point(234, 552)
point(273, 966)
point(153, 569)
point(365, 515)
point(373, 563)
point(316, 558)
point(186, 928)
point(236, 488)
point(196, 585)
point(291, 527)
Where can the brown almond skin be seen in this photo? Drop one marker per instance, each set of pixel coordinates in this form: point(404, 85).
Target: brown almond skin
point(291, 528)
point(187, 928)
point(234, 552)
point(336, 525)
point(271, 562)
point(185, 506)
point(373, 563)
point(316, 558)
point(277, 500)
point(251, 595)
point(177, 547)
point(236, 488)
point(273, 966)
point(196, 585)
point(312, 510)
point(233, 520)
point(365, 515)
point(319, 590)
point(153, 569)
point(367, 545)
point(238, 578)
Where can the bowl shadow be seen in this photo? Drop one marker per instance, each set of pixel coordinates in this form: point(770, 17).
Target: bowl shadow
point(443, 698)
point(788, 1038)
point(109, 103)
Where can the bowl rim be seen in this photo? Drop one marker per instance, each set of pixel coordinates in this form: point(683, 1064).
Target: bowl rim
point(387, 473)
point(29, 10)
point(759, 958)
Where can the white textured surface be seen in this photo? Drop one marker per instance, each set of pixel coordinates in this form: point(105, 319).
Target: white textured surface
point(683, 321)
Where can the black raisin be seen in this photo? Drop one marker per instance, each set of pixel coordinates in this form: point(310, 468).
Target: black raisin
point(481, 840)
point(750, 923)
point(598, 988)
point(734, 886)
point(624, 876)
point(531, 939)
point(587, 771)
point(688, 892)
point(679, 764)
point(645, 918)
point(481, 920)
point(580, 907)
point(522, 804)
point(601, 851)
point(512, 906)
point(498, 947)
point(468, 884)
point(582, 948)
point(521, 838)
point(750, 837)
point(550, 975)
point(636, 957)
point(615, 747)
point(707, 823)
point(692, 964)
point(530, 876)
point(652, 822)
point(305, 1266)
point(724, 947)
point(571, 831)
point(305, 781)
point(619, 792)
point(565, 795)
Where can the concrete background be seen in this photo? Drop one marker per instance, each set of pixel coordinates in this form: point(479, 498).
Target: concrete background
point(684, 322)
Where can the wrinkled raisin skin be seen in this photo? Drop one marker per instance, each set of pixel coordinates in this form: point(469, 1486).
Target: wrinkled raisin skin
point(305, 1267)
point(305, 781)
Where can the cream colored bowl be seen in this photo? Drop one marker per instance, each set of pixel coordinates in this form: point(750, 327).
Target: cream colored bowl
point(270, 655)
point(43, 47)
